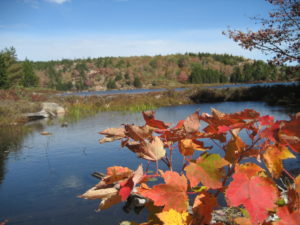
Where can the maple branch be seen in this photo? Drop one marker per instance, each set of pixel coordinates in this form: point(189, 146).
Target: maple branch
point(291, 18)
point(229, 173)
point(171, 158)
point(166, 161)
point(287, 173)
point(217, 144)
point(148, 164)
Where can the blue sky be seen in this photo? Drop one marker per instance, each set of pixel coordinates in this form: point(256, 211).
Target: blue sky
point(56, 29)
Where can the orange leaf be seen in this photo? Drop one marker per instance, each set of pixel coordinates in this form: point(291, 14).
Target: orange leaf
point(233, 149)
point(115, 173)
point(242, 221)
point(152, 122)
point(171, 195)
point(187, 146)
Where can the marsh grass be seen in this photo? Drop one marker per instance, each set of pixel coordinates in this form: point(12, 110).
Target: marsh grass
point(83, 106)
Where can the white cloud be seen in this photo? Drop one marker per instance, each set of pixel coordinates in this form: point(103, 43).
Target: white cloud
point(58, 1)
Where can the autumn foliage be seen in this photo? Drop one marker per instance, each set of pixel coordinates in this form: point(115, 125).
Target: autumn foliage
point(251, 149)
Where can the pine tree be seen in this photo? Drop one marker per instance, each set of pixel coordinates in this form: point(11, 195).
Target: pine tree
point(29, 77)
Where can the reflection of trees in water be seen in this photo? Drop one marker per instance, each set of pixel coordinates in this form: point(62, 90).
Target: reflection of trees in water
point(11, 139)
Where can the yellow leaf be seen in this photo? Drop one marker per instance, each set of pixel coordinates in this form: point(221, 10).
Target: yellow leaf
point(172, 217)
point(273, 157)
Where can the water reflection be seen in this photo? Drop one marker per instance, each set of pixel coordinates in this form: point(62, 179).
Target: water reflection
point(11, 140)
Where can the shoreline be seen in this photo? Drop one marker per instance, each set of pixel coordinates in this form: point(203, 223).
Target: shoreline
point(18, 102)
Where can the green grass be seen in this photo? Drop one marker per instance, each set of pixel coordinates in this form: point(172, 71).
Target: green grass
point(79, 107)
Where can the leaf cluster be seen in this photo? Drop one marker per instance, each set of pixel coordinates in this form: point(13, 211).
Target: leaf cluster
point(252, 147)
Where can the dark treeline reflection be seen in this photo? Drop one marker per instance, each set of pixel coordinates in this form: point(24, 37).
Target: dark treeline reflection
point(11, 141)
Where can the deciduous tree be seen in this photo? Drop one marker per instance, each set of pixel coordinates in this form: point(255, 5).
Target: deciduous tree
point(279, 35)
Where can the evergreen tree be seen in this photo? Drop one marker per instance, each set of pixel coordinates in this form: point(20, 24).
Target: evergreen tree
point(137, 82)
point(111, 84)
point(3, 73)
point(29, 77)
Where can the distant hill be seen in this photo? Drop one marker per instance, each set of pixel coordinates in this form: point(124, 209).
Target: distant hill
point(139, 71)
point(130, 72)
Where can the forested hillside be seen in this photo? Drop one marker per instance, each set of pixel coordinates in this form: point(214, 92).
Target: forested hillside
point(137, 71)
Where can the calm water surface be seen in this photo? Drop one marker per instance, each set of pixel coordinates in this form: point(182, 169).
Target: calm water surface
point(40, 176)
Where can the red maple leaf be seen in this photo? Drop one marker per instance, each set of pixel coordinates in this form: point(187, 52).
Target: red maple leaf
point(257, 193)
point(152, 122)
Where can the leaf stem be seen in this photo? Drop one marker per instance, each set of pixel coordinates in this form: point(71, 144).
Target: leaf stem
point(289, 175)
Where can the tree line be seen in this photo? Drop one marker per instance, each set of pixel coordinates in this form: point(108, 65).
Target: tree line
point(14, 73)
point(142, 71)
point(257, 71)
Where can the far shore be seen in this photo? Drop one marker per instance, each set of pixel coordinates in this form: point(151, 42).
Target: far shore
point(15, 102)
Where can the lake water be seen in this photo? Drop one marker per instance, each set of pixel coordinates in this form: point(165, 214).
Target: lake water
point(138, 91)
point(42, 175)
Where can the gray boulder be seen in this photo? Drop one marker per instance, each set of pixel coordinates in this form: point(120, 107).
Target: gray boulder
point(49, 109)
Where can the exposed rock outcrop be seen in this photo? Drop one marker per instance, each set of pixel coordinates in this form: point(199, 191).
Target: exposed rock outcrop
point(49, 109)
